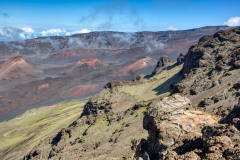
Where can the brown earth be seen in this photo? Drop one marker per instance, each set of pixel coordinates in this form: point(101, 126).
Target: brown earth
point(137, 65)
point(16, 67)
point(83, 90)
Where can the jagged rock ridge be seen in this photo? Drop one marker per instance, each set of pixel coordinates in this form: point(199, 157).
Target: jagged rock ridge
point(211, 81)
point(211, 71)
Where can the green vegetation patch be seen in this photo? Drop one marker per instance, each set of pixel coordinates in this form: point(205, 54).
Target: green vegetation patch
point(37, 124)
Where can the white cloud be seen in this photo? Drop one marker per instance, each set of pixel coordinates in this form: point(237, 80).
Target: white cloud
point(172, 28)
point(78, 32)
point(28, 30)
point(14, 34)
point(84, 31)
point(62, 32)
point(53, 32)
point(27, 33)
point(233, 21)
point(22, 35)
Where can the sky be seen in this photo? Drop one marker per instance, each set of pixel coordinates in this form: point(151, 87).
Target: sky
point(58, 17)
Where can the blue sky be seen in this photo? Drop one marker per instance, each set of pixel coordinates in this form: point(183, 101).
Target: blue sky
point(118, 15)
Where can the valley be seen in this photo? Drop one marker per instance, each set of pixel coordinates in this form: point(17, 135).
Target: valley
point(52, 69)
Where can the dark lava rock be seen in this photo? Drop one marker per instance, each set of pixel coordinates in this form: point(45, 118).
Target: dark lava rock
point(181, 58)
point(212, 63)
point(163, 61)
point(210, 50)
point(161, 64)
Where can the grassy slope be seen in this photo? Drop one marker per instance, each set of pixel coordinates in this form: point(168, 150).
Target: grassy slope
point(21, 134)
point(115, 139)
point(35, 125)
point(149, 89)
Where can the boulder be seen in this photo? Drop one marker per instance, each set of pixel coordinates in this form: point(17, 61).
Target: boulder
point(170, 122)
point(183, 132)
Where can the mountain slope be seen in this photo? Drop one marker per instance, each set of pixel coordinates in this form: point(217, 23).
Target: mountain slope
point(211, 81)
point(149, 41)
point(178, 126)
point(211, 71)
point(121, 124)
point(19, 135)
point(16, 67)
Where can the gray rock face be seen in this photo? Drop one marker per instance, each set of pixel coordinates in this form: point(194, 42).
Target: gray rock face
point(216, 53)
point(220, 51)
point(181, 58)
point(163, 61)
point(211, 70)
point(178, 131)
point(170, 123)
point(162, 64)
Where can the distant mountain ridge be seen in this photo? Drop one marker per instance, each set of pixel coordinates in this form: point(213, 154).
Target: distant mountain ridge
point(105, 40)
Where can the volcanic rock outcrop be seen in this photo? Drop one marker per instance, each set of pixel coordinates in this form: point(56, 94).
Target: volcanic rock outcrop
point(210, 131)
point(170, 123)
point(162, 64)
point(211, 72)
point(178, 131)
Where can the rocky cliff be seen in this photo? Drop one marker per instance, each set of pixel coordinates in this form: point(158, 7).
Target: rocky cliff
point(211, 72)
point(177, 130)
point(210, 130)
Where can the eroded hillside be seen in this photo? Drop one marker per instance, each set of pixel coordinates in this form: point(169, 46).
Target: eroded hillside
point(183, 110)
point(208, 129)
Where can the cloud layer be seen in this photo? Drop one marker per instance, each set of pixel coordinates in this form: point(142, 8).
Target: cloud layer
point(233, 21)
point(16, 34)
point(172, 28)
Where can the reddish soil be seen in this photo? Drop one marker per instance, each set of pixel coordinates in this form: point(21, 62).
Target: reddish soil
point(84, 90)
point(16, 59)
point(137, 65)
point(15, 67)
point(119, 51)
point(93, 62)
point(43, 86)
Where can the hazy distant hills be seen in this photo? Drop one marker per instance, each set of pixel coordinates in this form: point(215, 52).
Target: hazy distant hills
point(151, 41)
